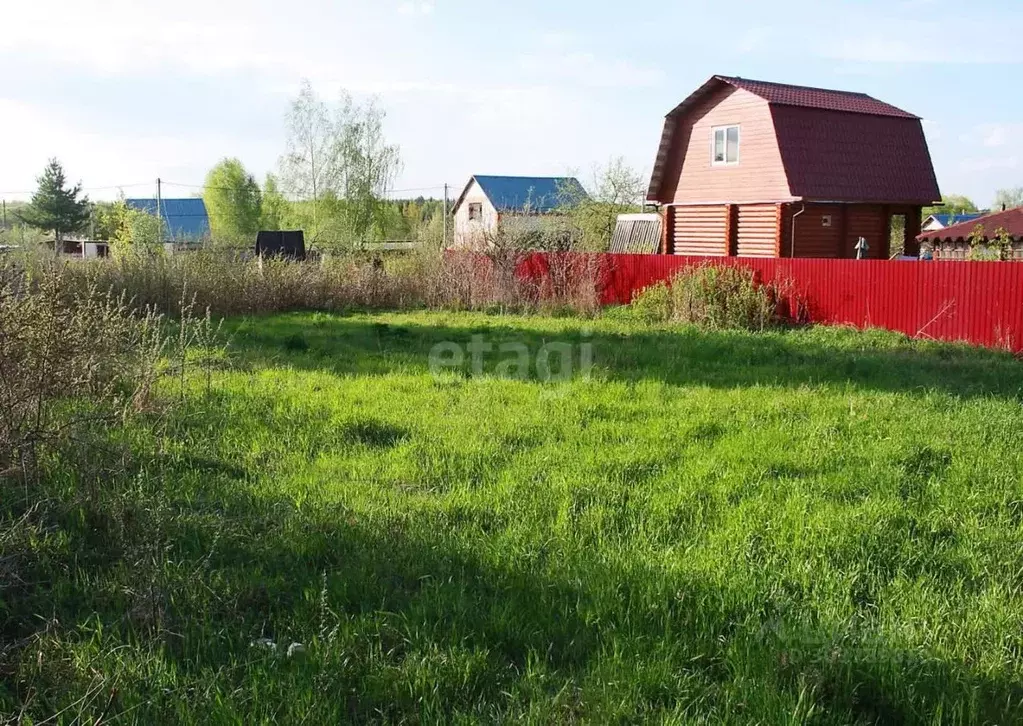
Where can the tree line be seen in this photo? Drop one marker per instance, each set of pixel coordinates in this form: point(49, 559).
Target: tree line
point(333, 182)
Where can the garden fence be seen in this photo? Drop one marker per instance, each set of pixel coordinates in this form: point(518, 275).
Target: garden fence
point(974, 302)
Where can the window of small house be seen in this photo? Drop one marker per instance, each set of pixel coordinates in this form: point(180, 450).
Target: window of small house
point(726, 145)
point(475, 211)
point(826, 220)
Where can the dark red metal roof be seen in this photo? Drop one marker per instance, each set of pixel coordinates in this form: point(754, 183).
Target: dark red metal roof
point(1010, 220)
point(835, 145)
point(846, 157)
point(783, 94)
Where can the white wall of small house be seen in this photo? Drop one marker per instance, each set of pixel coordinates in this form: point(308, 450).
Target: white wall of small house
point(474, 233)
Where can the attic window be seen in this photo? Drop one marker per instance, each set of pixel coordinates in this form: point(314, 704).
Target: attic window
point(726, 145)
point(475, 211)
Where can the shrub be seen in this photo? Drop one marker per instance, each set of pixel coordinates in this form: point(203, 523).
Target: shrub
point(60, 346)
point(653, 304)
point(715, 297)
point(229, 283)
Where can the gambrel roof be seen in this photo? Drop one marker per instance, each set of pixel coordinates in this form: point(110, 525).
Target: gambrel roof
point(835, 145)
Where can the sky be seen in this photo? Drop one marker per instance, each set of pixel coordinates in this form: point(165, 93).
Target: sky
point(126, 91)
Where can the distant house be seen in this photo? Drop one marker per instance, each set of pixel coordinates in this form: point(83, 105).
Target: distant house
point(956, 241)
point(490, 203)
point(185, 220)
point(941, 221)
point(760, 169)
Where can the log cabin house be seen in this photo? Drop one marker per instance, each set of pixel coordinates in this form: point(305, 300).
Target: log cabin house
point(759, 169)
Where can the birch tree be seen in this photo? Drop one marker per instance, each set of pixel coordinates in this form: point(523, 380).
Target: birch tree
point(339, 160)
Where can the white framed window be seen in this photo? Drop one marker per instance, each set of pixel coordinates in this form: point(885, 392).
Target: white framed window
point(475, 211)
point(826, 220)
point(725, 145)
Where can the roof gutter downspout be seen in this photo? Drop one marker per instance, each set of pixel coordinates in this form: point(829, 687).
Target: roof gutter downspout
point(792, 248)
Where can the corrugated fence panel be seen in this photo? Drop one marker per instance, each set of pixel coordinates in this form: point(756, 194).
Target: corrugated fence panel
point(637, 234)
point(974, 302)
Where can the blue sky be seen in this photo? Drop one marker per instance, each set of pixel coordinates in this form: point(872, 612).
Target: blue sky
point(124, 91)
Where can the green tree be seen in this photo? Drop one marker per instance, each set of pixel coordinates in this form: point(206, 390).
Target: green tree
point(107, 219)
point(55, 207)
point(233, 202)
point(275, 211)
point(130, 230)
point(1008, 198)
point(617, 189)
point(951, 204)
point(338, 160)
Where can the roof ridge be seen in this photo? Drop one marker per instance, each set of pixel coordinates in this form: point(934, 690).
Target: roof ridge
point(859, 94)
point(520, 176)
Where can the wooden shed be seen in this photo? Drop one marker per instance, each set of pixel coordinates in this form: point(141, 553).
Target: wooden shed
point(760, 169)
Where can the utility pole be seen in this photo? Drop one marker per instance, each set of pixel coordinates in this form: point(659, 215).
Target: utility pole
point(445, 244)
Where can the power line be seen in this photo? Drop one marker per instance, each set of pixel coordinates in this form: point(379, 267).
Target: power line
point(290, 196)
point(87, 189)
point(296, 194)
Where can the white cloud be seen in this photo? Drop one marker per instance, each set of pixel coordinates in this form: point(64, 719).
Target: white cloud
point(990, 163)
point(997, 135)
point(200, 37)
point(104, 161)
point(994, 135)
point(990, 155)
point(587, 69)
point(416, 7)
point(753, 40)
point(886, 40)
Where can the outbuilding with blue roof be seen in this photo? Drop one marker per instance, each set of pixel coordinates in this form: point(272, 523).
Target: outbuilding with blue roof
point(487, 202)
point(184, 219)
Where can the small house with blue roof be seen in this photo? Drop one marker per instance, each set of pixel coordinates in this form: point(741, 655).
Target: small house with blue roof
point(185, 220)
point(489, 202)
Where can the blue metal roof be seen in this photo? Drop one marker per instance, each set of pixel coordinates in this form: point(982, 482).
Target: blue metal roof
point(184, 218)
point(539, 194)
point(947, 220)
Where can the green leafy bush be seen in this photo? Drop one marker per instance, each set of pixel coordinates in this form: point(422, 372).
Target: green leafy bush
point(709, 296)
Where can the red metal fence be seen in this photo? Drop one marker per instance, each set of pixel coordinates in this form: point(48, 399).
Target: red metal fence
point(974, 302)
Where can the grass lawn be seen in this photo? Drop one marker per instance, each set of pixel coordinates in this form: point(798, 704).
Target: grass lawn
point(817, 526)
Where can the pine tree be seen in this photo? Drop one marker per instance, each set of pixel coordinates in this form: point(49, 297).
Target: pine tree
point(56, 208)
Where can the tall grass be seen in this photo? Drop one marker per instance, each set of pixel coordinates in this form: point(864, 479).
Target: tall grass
point(813, 526)
point(712, 297)
point(230, 284)
point(78, 363)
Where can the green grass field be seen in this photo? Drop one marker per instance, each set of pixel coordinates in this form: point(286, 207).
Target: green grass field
point(817, 526)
